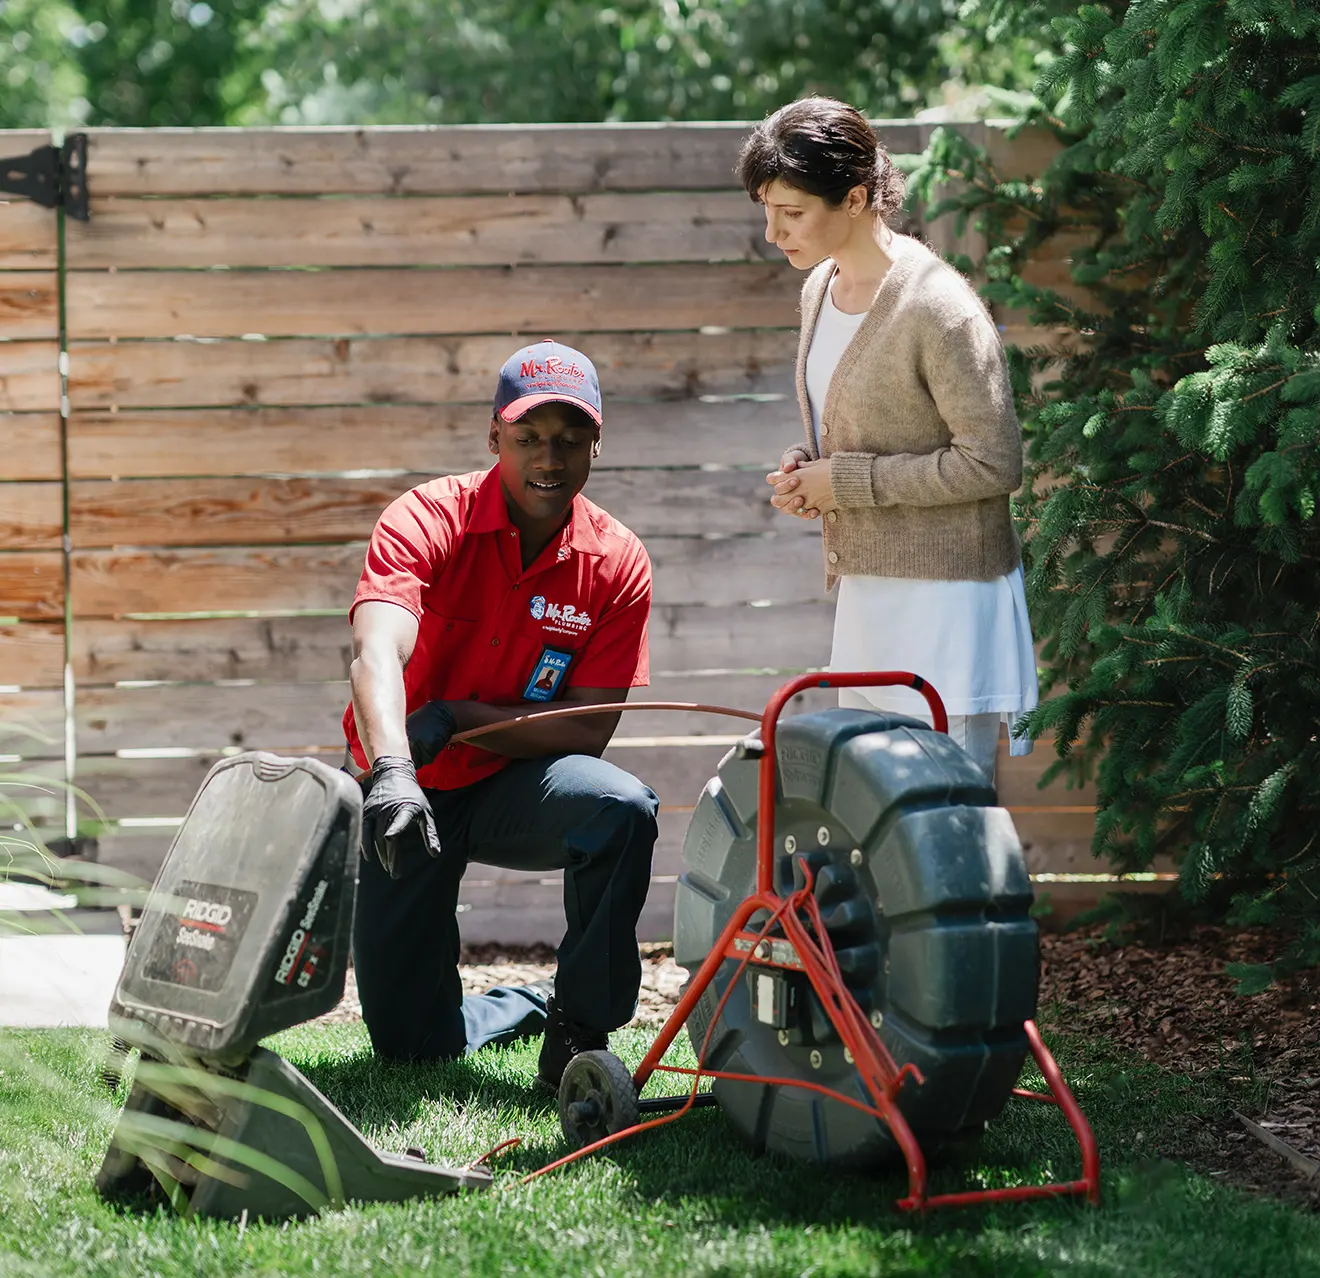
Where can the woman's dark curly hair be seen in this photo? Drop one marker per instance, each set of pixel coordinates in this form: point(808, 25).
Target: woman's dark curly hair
point(823, 147)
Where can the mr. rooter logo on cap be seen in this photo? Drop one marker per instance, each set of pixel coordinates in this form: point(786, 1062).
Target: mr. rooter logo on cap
point(554, 374)
point(547, 373)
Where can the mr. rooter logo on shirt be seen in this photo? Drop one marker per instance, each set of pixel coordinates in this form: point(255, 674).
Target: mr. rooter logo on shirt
point(563, 618)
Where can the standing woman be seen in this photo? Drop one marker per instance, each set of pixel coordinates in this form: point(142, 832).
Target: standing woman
point(912, 443)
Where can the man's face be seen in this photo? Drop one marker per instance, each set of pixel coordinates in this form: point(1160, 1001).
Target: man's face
point(544, 458)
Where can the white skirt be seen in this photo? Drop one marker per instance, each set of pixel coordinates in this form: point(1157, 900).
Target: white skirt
point(971, 639)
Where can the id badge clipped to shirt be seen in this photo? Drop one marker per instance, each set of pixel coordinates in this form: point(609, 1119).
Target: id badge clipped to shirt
point(547, 675)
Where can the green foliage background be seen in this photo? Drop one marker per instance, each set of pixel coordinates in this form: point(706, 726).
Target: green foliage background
point(1171, 512)
point(187, 62)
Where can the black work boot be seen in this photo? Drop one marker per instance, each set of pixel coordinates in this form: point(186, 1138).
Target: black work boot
point(564, 1039)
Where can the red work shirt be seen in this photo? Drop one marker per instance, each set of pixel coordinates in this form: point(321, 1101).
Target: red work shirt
point(490, 630)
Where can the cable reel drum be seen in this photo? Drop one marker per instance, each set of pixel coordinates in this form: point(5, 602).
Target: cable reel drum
point(922, 887)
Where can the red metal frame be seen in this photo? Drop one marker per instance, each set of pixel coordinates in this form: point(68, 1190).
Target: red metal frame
point(798, 919)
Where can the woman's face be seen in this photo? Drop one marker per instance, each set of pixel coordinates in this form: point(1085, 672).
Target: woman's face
point(805, 227)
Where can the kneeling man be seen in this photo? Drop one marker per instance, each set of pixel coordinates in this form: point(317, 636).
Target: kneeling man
point(485, 596)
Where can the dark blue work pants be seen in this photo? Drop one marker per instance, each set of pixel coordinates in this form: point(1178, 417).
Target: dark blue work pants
point(574, 813)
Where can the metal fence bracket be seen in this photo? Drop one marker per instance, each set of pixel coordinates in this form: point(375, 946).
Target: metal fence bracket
point(52, 176)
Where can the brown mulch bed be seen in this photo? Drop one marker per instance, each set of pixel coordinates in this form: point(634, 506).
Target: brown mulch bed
point(1174, 1005)
point(1170, 1003)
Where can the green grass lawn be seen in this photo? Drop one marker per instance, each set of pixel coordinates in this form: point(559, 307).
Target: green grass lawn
point(684, 1200)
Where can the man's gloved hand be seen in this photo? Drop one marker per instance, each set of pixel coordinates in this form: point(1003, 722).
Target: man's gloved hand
point(429, 729)
point(396, 818)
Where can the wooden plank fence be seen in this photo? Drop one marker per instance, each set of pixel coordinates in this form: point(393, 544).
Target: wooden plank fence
point(272, 333)
point(31, 478)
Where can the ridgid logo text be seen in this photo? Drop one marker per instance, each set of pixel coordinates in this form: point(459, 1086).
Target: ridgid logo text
point(201, 922)
point(298, 941)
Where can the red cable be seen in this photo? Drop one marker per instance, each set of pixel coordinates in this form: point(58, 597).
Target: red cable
point(614, 1137)
point(609, 707)
point(860, 1106)
point(491, 1153)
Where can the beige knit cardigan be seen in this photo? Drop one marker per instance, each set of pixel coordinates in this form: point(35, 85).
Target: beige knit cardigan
point(918, 424)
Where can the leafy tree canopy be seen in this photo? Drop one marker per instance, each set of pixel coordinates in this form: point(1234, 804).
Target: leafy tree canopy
point(190, 62)
point(39, 78)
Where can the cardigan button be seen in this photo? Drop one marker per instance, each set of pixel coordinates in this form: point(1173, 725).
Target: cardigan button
point(834, 556)
point(833, 516)
point(824, 430)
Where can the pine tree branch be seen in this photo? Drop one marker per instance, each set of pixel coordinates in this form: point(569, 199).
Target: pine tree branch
point(1200, 505)
point(1128, 479)
point(1283, 381)
point(1214, 647)
point(1158, 705)
point(1239, 146)
point(1149, 603)
point(1212, 789)
point(1182, 528)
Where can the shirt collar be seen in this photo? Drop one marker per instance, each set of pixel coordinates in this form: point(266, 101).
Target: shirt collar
point(490, 513)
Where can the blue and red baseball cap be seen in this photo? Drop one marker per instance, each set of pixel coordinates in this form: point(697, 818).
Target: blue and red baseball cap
point(544, 373)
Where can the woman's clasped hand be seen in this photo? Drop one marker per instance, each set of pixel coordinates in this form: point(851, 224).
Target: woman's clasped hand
point(802, 486)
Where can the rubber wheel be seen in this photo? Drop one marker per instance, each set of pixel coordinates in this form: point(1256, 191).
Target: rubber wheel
point(924, 892)
point(596, 1098)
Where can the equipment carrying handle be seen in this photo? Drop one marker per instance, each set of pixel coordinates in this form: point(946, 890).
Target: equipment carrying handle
point(765, 799)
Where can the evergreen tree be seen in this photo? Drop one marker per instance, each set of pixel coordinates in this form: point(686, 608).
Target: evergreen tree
point(1169, 518)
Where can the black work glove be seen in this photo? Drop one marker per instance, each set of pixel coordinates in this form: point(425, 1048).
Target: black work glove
point(429, 728)
point(396, 818)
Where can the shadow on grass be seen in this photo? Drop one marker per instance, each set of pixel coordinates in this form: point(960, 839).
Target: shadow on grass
point(697, 1169)
point(700, 1155)
point(376, 1093)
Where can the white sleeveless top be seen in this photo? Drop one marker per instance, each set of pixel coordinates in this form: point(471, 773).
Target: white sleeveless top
point(971, 639)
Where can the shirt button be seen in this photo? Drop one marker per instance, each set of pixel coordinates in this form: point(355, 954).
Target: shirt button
point(494, 643)
point(833, 516)
point(834, 556)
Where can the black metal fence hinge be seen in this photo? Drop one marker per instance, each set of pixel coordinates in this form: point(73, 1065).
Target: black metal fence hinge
point(53, 176)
